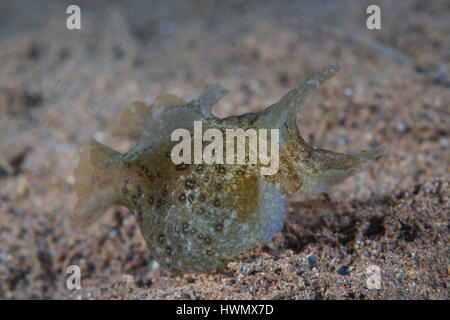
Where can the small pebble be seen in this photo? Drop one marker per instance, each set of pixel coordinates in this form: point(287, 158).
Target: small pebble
point(343, 271)
point(403, 127)
point(348, 91)
point(312, 263)
point(343, 141)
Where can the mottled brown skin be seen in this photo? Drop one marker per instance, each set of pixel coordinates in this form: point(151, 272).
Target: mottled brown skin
point(196, 217)
point(204, 203)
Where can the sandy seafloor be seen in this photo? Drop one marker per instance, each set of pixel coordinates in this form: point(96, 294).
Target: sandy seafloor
point(59, 87)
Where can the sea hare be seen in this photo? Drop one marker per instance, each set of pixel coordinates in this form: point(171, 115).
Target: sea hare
point(196, 217)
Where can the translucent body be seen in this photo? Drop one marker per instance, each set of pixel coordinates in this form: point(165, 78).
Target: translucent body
point(196, 217)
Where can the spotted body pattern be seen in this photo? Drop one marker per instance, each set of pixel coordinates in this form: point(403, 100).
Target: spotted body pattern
point(196, 217)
